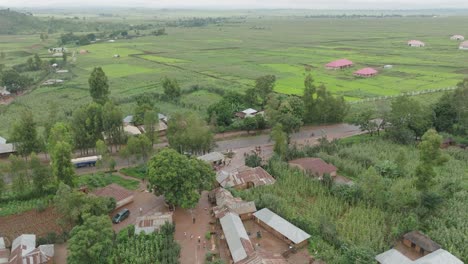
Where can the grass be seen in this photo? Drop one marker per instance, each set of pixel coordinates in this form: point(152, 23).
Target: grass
point(138, 172)
point(98, 180)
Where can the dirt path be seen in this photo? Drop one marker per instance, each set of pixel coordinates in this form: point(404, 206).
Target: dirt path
point(191, 251)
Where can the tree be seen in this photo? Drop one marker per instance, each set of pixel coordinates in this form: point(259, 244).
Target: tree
point(187, 132)
point(253, 160)
point(281, 140)
point(171, 89)
point(140, 147)
point(99, 86)
point(430, 156)
point(151, 121)
point(285, 110)
point(112, 124)
point(19, 173)
point(144, 104)
point(103, 151)
point(179, 178)
point(41, 175)
point(89, 242)
point(249, 124)
point(13, 81)
point(62, 167)
point(87, 126)
point(374, 188)
point(24, 134)
point(264, 86)
point(59, 132)
point(64, 58)
point(445, 114)
point(365, 122)
point(329, 109)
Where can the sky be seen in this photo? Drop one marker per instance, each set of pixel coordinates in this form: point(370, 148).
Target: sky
point(231, 4)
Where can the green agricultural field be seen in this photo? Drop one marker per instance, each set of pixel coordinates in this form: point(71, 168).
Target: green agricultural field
point(230, 55)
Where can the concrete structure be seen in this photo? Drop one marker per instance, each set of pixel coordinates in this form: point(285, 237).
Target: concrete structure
point(366, 72)
point(281, 228)
point(151, 223)
point(213, 158)
point(315, 167)
point(245, 178)
point(4, 252)
point(121, 195)
point(457, 37)
point(249, 112)
point(238, 241)
point(416, 43)
point(339, 64)
point(226, 203)
point(24, 251)
point(464, 45)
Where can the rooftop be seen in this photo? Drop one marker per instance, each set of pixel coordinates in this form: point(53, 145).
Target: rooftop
point(115, 191)
point(282, 226)
point(439, 256)
point(422, 241)
point(250, 111)
point(212, 157)
point(257, 176)
point(339, 63)
point(128, 119)
point(151, 223)
point(227, 203)
point(366, 71)
point(314, 165)
point(236, 237)
point(132, 130)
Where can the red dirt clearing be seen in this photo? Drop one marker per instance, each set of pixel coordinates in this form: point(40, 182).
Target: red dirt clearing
point(30, 222)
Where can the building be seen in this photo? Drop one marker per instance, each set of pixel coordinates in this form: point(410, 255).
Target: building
point(457, 37)
point(24, 251)
point(281, 228)
point(464, 45)
point(6, 150)
point(249, 112)
point(4, 252)
point(388, 67)
point(314, 166)
point(245, 178)
point(53, 82)
point(239, 244)
point(3, 140)
point(416, 43)
point(4, 93)
point(417, 248)
point(121, 195)
point(366, 72)
point(213, 158)
point(58, 50)
point(225, 203)
point(128, 120)
point(339, 64)
point(151, 223)
point(131, 130)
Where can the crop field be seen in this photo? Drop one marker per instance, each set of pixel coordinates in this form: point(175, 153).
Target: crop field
point(230, 55)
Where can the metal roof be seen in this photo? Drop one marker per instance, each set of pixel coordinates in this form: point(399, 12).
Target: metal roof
point(150, 223)
point(3, 140)
point(212, 157)
point(234, 231)
point(282, 226)
point(439, 256)
point(257, 176)
point(392, 256)
point(128, 119)
point(7, 148)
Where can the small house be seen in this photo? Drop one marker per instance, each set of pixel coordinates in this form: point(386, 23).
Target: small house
point(6, 150)
point(339, 64)
point(116, 56)
point(58, 50)
point(416, 43)
point(55, 65)
point(121, 195)
point(3, 140)
point(128, 120)
point(131, 130)
point(457, 37)
point(236, 237)
point(250, 112)
point(226, 202)
point(316, 167)
point(24, 250)
point(366, 72)
point(281, 228)
point(420, 243)
point(245, 178)
point(464, 45)
point(213, 158)
point(151, 223)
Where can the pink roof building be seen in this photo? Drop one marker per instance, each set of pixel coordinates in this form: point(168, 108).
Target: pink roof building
point(416, 43)
point(339, 64)
point(366, 72)
point(464, 45)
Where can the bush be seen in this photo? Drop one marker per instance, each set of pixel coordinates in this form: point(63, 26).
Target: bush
point(41, 205)
point(253, 160)
point(208, 235)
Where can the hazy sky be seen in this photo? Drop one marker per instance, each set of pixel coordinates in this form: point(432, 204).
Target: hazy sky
point(296, 4)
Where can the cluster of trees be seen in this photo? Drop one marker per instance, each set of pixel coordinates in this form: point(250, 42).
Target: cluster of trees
point(407, 119)
point(70, 38)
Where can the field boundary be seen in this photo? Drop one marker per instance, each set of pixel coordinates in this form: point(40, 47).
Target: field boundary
point(415, 93)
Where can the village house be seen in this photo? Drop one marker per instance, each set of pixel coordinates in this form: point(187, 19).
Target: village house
point(6, 150)
point(236, 237)
point(464, 45)
point(366, 72)
point(121, 195)
point(417, 248)
point(131, 130)
point(226, 202)
point(244, 178)
point(58, 50)
point(339, 64)
point(457, 37)
point(24, 251)
point(4, 252)
point(213, 158)
point(315, 167)
point(250, 112)
point(151, 223)
point(128, 120)
point(416, 43)
point(281, 228)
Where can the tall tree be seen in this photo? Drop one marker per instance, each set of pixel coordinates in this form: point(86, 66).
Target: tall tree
point(13, 81)
point(188, 132)
point(179, 178)
point(171, 88)
point(143, 105)
point(151, 121)
point(62, 167)
point(25, 136)
point(59, 132)
point(87, 126)
point(90, 242)
point(99, 86)
point(308, 98)
point(112, 125)
point(281, 140)
point(19, 174)
point(41, 175)
point(285, 110)
point(264, 86)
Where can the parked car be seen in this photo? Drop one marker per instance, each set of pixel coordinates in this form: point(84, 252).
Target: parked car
point(122, 215)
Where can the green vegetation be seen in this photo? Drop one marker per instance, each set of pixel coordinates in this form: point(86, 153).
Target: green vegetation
point(103, 179)
point(18, 206)
point(138, 172)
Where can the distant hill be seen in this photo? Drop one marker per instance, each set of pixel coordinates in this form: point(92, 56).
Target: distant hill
point(12, 22)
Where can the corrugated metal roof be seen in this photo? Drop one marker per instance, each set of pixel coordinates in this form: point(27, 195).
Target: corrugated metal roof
point(7, 148)
point(439, 256)
point(151, 223)
point(282, 226)
point(257, 176)
point(234, 232)
point(392, 256)
point(212, 157)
